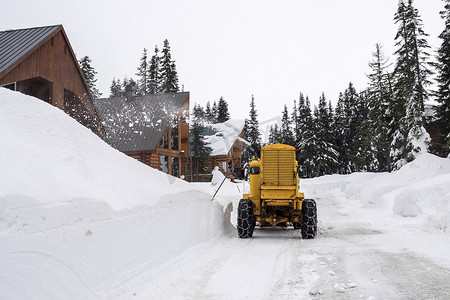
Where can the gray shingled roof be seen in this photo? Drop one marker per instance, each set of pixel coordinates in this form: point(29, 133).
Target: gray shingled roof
point(138, 124)
point(16, 44)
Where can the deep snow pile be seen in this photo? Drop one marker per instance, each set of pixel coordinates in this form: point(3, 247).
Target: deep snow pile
point(419, 192)
point(78, 218)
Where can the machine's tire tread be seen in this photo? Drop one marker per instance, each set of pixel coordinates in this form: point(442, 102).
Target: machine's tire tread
point(245, 220)
point(309, 220)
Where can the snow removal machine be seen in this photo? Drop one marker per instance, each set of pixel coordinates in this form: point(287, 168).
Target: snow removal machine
point(274, 199)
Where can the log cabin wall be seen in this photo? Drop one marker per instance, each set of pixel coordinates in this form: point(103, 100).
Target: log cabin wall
point(51, 73)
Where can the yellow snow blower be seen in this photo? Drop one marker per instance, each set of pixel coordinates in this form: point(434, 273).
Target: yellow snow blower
point(274, 199)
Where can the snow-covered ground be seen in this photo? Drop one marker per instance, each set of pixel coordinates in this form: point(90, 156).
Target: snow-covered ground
point(80, 220)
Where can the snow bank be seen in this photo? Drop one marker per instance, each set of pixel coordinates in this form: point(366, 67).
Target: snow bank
point(52, 158)
point(419, 190)
point(78, 218)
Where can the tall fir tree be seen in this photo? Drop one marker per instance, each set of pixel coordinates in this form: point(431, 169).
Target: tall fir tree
point(154, 73)
point(286, 128)
point(143, 79)
point(411, 80)
point(274, 134)
point(169, 75)
point(306, 144)
point(89, 73)
point(222, 111)
point(209, 113)
point(251, 132)
point(295, 124)
point(198, 149)
point(379, 97)
point(443, 82)
point(116, 88)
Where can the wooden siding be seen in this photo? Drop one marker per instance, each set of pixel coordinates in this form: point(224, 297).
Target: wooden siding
point(152, 157)
point(55, 62)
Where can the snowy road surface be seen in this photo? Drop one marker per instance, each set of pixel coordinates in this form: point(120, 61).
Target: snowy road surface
point(355, 256)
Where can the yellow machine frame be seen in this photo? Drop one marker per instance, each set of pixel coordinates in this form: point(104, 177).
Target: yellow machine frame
point(274, 186)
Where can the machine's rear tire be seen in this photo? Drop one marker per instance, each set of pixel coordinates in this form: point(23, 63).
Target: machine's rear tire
point(245, 221)
point(309, 221)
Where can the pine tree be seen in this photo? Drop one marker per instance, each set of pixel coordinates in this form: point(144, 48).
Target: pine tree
point(154, 73)
point(169, 75)
point(318, 143)
point(214, 112)
point(209, 113)
point(339, 132)
point(306, 144)
point(286, 130)
point(222, 111)
point(443, 81)
point(143, 81)
point(251, 131)
point(296, 124)
point(379, 97)
point(411, 73)
point(89, 75)
point(363, 146)
point(116, 88)
point(199, 150)
point(274, 134)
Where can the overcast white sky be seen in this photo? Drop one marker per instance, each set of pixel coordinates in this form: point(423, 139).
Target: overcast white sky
point(232, 48)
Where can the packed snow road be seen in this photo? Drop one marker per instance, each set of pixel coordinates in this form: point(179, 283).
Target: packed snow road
point(355, 256)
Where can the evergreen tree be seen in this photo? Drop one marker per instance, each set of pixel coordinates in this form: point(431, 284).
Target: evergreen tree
point(214, 112)
point(116, 88)
point(154, 73)
point(303, 118)
point(308, 140)
point(251, 131)
point(89, 75)
point(222, 111)
point(319, 142)
point(199, 150)
point(363, 146)
point(296, 124)
point(443, 81)
point(143, 81)
point(209, 113)
point(339, 131)
point(274, 134)
point(379, 97)
point(169, 75)
point(286, 130)
point(411, 73)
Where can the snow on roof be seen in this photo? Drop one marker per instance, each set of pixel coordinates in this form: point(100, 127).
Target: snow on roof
point(223, 135)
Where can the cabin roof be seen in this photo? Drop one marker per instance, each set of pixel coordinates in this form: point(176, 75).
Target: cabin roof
point(221, 136)
point(17, 44)
point(138, 124)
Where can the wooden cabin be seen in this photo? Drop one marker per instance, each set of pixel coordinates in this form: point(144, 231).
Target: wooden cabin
point(153, 129)
point(40, 62)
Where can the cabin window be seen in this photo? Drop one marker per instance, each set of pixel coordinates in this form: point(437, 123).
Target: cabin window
point(164, 143)
point(164, 163)
point(174, 136)
point(175, 166)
